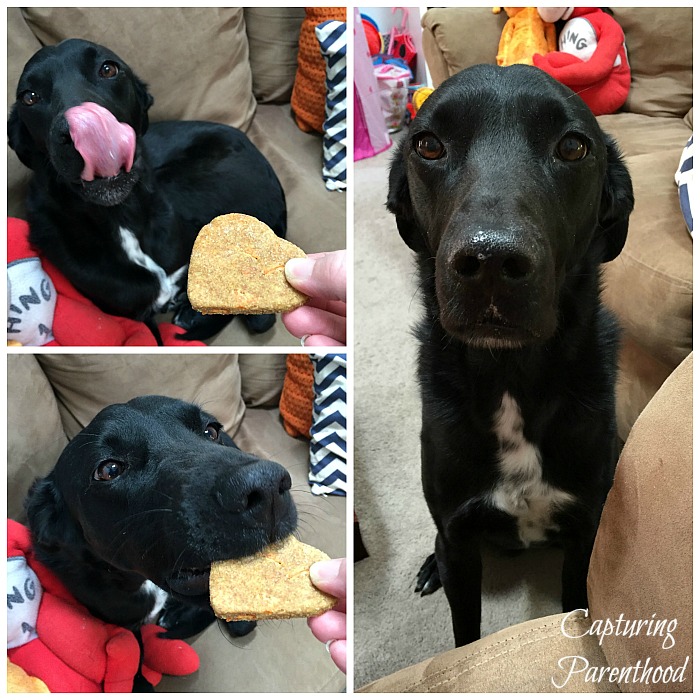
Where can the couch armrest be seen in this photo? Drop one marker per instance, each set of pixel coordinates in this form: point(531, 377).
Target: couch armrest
point(532, 657)
point(642, 562)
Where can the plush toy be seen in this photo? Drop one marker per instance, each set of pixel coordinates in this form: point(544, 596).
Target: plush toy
point(525, 33)
point(53, 638)
point(592, 58)
point(43, 307)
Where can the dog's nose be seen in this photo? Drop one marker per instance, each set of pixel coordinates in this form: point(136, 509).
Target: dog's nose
point(257, 491)
point(492, 263)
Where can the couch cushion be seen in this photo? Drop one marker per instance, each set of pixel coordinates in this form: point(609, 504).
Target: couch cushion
point(659, 44)
point(650, 284)
point(35, 435)
point(194, 59)
point(273, 38)
point(642, 563)
point(84, 384)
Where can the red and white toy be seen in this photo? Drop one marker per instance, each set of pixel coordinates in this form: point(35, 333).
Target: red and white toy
point(592, 58)
point(44, 308)
point(54, 638)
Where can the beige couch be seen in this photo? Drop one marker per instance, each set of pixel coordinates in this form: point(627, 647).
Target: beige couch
point(641, 569)
point(649, 286)
point(228, 65)
point(51, 397)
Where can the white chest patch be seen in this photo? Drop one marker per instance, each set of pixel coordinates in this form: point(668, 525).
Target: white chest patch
point(521, 490)
point(168, 283)
point(160, 598)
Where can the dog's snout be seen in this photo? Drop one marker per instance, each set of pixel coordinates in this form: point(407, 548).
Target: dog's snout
point(503, 264)
point(256, 490)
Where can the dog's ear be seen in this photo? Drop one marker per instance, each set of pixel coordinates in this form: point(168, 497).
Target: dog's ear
point(616, 205)
point(400, 205)
point(50, 522)
point(20, 140)
point(144, 99)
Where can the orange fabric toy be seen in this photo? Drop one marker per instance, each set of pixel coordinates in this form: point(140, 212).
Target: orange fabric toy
point(297, 400)
point(524, 34)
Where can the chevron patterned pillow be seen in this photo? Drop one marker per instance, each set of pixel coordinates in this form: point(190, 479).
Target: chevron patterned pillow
point(328, 447)
point(332, 38)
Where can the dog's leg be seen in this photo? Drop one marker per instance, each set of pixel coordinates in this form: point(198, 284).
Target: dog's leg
point(182, 620)
point(459, 569)
point(577, 556)
point(428, 580)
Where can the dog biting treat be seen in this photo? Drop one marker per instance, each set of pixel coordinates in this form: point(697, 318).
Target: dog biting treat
point(273, 584)
point(237, 267)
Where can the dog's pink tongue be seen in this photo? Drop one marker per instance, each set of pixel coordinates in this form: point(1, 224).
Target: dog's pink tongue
point(105, 144)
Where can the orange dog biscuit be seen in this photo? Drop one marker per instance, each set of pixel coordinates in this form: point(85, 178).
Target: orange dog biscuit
point(272, 584)
point(237, 266)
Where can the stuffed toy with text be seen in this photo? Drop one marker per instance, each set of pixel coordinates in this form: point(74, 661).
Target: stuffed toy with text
point(44, 308)
point(592, 58)
point(55, 639)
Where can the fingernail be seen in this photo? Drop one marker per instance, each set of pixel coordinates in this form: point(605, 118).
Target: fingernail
point(325, 571)
point(303, 339)
point(328, 644)
point(298, 269)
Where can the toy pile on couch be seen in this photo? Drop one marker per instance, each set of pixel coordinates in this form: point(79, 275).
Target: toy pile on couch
point(581, 47)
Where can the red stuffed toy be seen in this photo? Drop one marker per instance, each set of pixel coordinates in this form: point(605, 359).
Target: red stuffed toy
point(54, 638)
point(44, 308)
point(592, 58)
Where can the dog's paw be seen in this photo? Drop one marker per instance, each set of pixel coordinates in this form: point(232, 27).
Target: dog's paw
point(259, 323)
point(239, 628)
point(428, 580)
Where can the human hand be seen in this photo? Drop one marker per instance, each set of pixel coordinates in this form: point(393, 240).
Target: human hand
point(330, 628)
point(322, 277)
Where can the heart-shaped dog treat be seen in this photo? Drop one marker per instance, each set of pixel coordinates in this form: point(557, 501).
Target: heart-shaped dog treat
point(272, 584)
point(237, 267)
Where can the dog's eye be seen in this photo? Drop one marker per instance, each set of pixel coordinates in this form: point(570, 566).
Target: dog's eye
point(29, 98)
point(212, 432)
point(109, 69)
point(108, 470)
point(572, 147)
point(428, 146)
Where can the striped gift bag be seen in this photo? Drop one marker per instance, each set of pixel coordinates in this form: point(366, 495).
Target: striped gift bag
point(332, 38)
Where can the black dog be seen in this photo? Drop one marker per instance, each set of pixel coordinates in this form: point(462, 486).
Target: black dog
point(511, 196)
point(141, 502)
point(116, 205)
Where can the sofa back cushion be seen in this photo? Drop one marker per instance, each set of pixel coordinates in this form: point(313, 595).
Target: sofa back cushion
point(273, 39)
point(660, 49)
point(194, 59)
point(85, 383)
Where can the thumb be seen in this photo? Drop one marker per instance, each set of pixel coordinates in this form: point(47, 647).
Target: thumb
point(321, 275)
point(329, 576)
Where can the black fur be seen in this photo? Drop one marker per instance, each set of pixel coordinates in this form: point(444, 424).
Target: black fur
point(186, 496)
point(509, 233)
point(184, 175)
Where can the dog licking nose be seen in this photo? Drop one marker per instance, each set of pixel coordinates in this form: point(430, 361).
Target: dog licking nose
point(105, 145)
